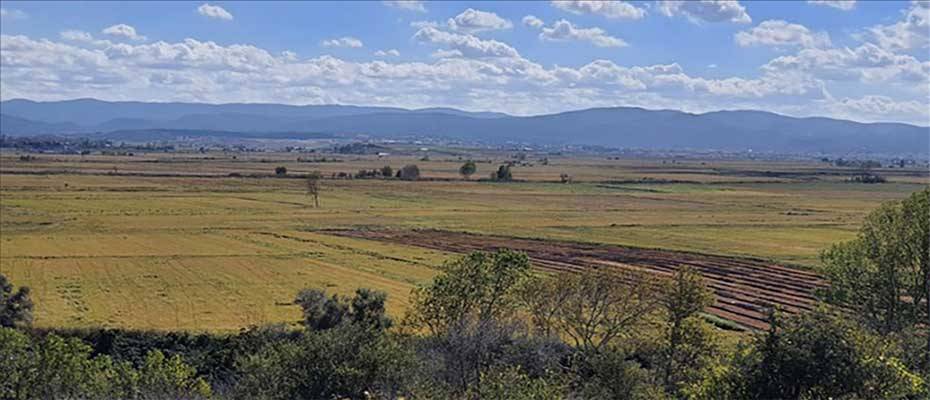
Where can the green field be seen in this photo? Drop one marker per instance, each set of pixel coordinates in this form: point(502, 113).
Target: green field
point(190, 248)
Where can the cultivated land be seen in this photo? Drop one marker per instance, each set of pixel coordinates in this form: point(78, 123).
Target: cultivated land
point(171, 241)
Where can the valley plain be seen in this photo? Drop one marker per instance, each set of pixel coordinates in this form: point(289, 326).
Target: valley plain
point(217, 242)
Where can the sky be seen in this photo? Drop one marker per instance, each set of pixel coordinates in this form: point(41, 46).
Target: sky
point(865, 61)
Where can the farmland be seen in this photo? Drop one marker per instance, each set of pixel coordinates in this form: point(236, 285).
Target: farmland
point(171, 241)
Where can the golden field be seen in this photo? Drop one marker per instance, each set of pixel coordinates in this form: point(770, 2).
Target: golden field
point(171, 241)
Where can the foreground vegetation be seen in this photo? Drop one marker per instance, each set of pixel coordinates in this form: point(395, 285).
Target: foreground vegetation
point(486, 327)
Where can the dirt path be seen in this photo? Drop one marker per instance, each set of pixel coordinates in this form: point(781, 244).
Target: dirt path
point(744, 288)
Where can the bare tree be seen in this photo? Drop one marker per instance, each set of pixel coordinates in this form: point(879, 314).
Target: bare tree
point(313, 187)
point(592, 308)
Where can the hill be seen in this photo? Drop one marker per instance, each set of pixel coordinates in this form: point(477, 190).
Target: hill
point(616, 127)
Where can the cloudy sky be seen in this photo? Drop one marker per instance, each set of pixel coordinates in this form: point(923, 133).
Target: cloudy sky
point(866, 60)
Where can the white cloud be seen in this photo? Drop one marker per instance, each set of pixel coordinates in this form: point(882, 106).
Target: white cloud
point(468, 45)
point(877, 108)
point(410, 5)
point(12, 13)
point(781, 34)
point(532, 21)
point(467, 72)
point(345, 41)
point(385, 53)
point(213, 11)
point(607, 8)
point(123, 30)
point(562, 31)
point(473, 21)
point(867, 63)
point(912, 32)
point(698, 11)
point(844, 5)
point(76, 36)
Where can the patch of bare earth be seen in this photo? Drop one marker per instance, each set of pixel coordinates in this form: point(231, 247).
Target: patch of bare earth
point(745, 288)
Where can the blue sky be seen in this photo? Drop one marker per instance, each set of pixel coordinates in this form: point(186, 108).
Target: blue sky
point(866, 61)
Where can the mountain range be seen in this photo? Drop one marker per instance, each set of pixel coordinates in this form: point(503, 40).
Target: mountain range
point(615, 127)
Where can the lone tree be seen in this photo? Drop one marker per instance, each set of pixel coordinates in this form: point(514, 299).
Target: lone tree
point(313, 187)
point(280, 171)
point(503, 174)
point(387, 171)
point(15, 307)
point(468, 169)
point(409, 172)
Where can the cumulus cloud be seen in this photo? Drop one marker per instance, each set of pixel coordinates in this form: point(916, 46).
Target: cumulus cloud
point(409, 5)
point(867, 63)
point(844, 5)
point(607, 8)
point(385, 53)
point(699, 11)
point(563, 31)
point(12, 13)
point(876, 108)
point(123, 30)
point(911, 32)
point(345, 41)
point(213, 11)
point(468, 45)
point(76, 36)
point(532, 21)
point(467, 72)
point(473, 21)
point(781, 34)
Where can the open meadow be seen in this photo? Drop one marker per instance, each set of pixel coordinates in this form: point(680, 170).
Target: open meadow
point(173, 242)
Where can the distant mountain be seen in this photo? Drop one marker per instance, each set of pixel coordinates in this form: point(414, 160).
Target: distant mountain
point(91, 112)
point(16, 126)
point(616, 127)
point(452, 111)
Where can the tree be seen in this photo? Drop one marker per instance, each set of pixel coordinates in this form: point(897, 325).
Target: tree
point(468, 169)
point(15, 307)
point(821, 355)
point(313, 186)
point(478, 286)
point(321, 312)
point(689, 342)
point(65, 368)
point(280, 171)
point(366, 309)
point(884, 274)
point(346, 362)
point(409, 172)
point(387, 171)
point(503, 174)
point(591, 308)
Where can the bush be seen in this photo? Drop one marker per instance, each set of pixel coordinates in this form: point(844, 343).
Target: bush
point(280, 171)
point(409, 172)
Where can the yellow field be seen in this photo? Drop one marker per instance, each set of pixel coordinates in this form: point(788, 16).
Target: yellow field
point(211, 252)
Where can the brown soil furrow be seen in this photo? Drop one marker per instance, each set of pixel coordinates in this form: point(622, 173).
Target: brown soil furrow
point(744, 288)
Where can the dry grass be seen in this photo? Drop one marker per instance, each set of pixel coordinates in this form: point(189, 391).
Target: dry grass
point(219, 253)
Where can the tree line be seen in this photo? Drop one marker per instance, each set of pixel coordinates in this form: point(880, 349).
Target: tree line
point(489, 327)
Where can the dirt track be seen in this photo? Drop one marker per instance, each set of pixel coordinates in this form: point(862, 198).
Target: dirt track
point(744, 288)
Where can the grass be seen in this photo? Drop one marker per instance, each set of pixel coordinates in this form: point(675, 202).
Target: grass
point(219, 253)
